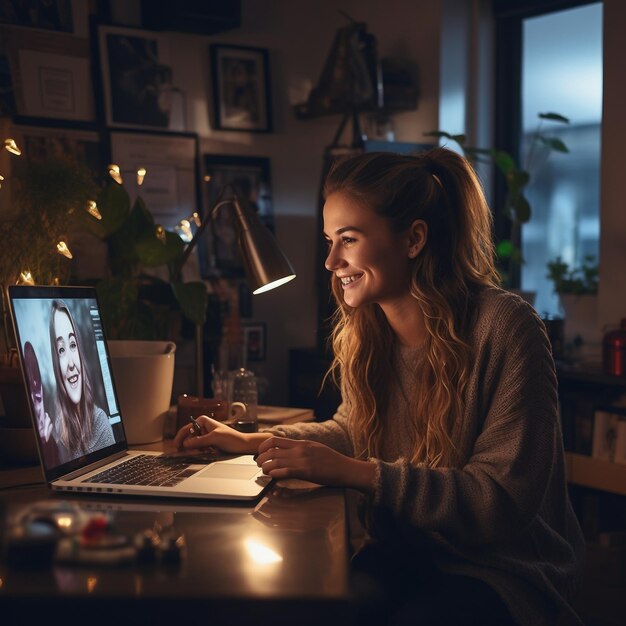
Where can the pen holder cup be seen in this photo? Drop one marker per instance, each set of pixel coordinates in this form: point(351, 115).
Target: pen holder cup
point(144, 376)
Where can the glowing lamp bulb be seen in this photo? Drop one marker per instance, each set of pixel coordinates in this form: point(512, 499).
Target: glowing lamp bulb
point(64, 250)
point(114, 173)
point(141, 173)
point(11, 146)
point(92, 209)
point(196, 219)
point(207, 179)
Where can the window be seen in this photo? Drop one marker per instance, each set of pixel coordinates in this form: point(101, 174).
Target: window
point(561, 72)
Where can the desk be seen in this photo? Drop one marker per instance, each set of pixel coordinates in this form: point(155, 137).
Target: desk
point(221, 580)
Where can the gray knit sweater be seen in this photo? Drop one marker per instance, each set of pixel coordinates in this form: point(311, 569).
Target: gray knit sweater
point(503, 515)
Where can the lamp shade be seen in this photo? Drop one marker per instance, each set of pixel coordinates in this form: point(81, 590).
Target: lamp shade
point(265, 265)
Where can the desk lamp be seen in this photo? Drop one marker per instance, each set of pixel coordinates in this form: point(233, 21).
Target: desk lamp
point(265, 265)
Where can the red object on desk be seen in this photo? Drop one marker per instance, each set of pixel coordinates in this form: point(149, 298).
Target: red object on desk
point(614, 351)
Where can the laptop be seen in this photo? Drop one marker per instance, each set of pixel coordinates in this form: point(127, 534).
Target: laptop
point(76, 416)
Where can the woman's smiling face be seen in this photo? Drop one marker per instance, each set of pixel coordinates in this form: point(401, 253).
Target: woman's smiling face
point(68, 356)
point(371, 261)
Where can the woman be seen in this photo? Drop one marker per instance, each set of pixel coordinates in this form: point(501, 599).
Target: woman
point(449, 423)
point(84, 427)
point(45, 428)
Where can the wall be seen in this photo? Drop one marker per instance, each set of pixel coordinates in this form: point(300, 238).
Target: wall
point(299, 36)
point(612, 294)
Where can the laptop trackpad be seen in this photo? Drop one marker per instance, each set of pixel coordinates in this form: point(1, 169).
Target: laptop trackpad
point(229, 470)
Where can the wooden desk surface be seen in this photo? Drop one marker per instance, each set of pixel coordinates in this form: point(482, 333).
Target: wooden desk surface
point(281, 560)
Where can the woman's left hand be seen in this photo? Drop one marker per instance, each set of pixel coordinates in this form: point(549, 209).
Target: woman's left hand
point(280, 457)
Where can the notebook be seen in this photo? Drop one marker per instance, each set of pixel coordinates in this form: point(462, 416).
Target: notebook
point(76, 415)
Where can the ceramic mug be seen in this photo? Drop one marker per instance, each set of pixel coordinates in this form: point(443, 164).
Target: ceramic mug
point(221, 410)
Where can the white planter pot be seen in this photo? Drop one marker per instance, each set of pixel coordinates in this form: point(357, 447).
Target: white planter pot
point(581, 322)
point(143, 372)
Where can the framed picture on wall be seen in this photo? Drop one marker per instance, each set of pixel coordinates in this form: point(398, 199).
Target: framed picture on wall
point(138, 80)
point(47, 75)
point(250, 178)
point(255, 340)
point(241, 89)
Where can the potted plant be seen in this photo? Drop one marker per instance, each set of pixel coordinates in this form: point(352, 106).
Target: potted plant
point(517, 177)
point(577, 288)
point(144, 289)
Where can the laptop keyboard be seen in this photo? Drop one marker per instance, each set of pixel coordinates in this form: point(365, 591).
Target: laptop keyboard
point(145, 469)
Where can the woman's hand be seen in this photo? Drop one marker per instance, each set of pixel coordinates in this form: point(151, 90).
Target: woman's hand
point(218, 435)
point(280, 457)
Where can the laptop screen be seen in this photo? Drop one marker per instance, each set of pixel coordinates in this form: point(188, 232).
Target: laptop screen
point(68, 377)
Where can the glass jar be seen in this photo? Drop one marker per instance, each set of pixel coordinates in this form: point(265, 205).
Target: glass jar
point(243, 388)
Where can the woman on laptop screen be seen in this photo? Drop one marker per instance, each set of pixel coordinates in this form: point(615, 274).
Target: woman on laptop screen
point(448, 424)
point(83, 426)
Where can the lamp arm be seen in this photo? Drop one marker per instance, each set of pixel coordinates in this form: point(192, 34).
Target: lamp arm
point(194, 241)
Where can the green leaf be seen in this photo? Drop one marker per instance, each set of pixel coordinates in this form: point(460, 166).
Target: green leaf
point(522, 209)
point(440, 134)
point(193, 299)
point(505, 249)
point(554, 144)
point(114, 206)
point(504, 161)
point(153, 252)
point(553, 117)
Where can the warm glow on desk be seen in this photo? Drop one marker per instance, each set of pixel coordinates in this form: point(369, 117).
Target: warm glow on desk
point(260, 553)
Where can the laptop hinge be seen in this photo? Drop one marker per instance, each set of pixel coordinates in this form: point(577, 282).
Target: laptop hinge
point(93, 466)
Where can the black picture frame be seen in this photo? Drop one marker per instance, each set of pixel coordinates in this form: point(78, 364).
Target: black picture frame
point(139, 88)
point(255, 340)
point(251, 178)
point(241, 88)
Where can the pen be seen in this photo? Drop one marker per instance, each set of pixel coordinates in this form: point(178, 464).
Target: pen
point(195, 429)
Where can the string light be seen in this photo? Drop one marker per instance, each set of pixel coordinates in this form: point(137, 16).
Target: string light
point(184, 229)
point(1, 179)
point(196, 219)
point(11, 146)
point(64, 250)
point(92, 209)
point(159, 231)
point(207, 178)
point(26, 278)
point(141, 174)
point(114, 172)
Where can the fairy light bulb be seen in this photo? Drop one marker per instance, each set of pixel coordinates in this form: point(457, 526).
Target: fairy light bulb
point(1, 179)
point(159, 231)
point(196, 219)
point(184, 229)
point(11, 146)
point(141, 174)
point(114, 173)
point(207, 178)
point(92, 209)
point(26, 278)
point(64, 250)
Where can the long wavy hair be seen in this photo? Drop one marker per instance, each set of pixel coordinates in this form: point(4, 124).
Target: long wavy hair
point(76, 420)
point(441, 188)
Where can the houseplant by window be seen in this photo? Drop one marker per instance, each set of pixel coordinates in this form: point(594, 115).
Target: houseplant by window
point(517, 178)
point(577, 288)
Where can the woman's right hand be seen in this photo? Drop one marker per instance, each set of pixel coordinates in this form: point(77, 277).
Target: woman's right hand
point(217, 435)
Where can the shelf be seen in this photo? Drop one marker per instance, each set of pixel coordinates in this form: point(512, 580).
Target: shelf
point(595, 473)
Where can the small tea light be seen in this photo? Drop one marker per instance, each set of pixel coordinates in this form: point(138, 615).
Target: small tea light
point(64, 250)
